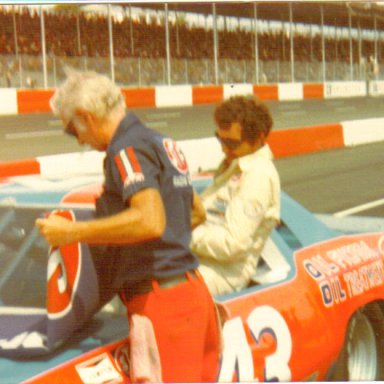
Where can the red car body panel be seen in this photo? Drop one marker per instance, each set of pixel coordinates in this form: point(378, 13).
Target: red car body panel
point(288, 331)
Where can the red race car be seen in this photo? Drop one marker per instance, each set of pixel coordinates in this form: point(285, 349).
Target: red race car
point(314, 310)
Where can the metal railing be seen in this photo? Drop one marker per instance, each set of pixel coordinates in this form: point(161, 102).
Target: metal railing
point(137, 53)
point(27, 71)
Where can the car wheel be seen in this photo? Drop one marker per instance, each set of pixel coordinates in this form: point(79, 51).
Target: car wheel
point(362, 356)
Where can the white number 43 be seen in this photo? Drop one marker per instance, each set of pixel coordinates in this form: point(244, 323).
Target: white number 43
point(237, 354)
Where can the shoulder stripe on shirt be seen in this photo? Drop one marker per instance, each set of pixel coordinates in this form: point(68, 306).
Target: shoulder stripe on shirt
point(127, 164)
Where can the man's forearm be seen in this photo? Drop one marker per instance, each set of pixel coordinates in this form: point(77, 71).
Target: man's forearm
point(127, 227)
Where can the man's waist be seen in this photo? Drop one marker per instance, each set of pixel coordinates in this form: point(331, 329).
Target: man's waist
point(165, 282)
point(171, 281)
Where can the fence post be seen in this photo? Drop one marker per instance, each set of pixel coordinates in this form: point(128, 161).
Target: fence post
point(291, 36)
point(322, 41)
point(110, 34)
point(256, 44)
point(167, 47)
point(43, 47)
point(186, 70)
point(215, 44)
point(350, 44)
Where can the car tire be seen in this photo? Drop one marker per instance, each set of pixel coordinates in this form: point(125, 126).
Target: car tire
point(362, 355)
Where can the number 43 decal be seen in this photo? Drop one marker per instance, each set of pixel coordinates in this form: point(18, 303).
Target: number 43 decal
point(237, 356)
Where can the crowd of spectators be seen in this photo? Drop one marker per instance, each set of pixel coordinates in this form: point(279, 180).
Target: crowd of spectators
point(83, 34)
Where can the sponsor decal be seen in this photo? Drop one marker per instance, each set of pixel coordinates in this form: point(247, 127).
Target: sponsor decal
point(332, 292)
point(129, 167)
point(24, 340)
point(348, 89)
point(99, 370)
point(136, 178)
point(181, 181)
point(346, 271)
point(72, 297)
point(64, 267)
point(252, 211)
point(175, 155)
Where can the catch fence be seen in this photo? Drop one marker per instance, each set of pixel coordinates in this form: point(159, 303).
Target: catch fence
point(144, 50)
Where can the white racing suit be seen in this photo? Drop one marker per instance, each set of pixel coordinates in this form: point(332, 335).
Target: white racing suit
point(242, 206)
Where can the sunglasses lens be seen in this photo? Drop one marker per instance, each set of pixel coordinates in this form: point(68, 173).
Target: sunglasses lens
point(70, 129)
point(229, 143)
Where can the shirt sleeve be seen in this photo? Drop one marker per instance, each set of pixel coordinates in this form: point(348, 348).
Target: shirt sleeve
point(230, 240)
point(134, 168)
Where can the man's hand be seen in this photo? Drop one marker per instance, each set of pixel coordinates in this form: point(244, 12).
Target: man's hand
point(57, 230)
point(198, 215)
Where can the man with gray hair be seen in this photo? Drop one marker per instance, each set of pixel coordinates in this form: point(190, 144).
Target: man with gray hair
point(142, 227)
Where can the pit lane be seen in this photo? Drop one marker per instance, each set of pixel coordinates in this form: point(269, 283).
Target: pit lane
point(326, 182)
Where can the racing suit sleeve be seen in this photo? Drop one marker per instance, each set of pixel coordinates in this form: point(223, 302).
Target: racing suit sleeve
point(231, 239)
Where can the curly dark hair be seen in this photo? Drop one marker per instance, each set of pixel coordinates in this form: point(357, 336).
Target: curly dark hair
point(252, 114)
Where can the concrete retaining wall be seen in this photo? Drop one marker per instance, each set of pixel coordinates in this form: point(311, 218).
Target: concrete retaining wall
point(15, 101)
point(203, 154)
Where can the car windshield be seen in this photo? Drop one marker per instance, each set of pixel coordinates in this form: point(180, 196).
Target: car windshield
point(23, 258)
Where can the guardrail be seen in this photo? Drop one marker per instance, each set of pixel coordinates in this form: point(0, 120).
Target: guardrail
point(16, 101)
point(301, 140)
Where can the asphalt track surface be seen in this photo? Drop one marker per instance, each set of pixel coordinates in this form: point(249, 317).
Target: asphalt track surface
point(326, 182)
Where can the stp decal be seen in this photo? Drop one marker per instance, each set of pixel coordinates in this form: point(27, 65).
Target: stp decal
point(273, 341)
point(175, 155)
point(129, 166)
point(64, 265)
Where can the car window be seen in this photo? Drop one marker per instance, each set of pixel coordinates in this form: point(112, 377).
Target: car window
point(23, 258)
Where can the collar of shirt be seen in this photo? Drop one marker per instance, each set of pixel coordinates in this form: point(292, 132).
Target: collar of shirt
point(241, 164)
point(129, 120)
point(246, 162)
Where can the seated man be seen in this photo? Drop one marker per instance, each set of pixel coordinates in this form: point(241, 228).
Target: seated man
point(243, 204)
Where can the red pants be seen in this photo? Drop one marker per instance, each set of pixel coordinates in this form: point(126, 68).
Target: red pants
point(185, 324)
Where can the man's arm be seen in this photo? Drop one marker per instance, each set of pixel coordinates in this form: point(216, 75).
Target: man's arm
point(144, 220)
point(231, 239)
point(198, 215)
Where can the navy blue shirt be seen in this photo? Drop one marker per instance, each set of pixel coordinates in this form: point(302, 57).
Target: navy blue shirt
point(138, 158)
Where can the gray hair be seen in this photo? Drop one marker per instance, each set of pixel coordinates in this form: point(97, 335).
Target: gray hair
point(90, 91)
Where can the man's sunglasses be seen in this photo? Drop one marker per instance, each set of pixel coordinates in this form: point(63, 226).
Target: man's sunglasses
point(70, 129)
point(229, 143)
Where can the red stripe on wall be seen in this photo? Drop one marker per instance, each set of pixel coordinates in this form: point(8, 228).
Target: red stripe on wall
point(266, 92)
point(296, 141)
point(29, 101)
point(19, 168)
point(139, 97)
point(313, 91)
point(211, 94)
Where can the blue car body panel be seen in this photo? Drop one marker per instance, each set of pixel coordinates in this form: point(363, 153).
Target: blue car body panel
point(20, 205)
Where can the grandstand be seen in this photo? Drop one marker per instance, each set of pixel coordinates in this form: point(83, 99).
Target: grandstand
point(201, 42)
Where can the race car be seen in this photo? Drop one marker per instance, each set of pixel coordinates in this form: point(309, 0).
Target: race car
point(314, 310)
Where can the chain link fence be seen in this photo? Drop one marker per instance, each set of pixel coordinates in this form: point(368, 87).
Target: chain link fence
point(27, 71)
point(36, 50)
